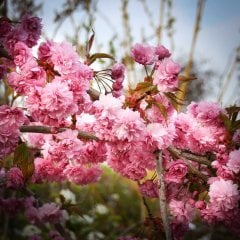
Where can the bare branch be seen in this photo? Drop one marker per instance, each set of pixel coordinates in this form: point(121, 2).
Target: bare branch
point(49, 130)
point(162, 197)
point(190, 156)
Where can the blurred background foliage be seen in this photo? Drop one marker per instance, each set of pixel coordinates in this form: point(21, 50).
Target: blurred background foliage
point(113, 207)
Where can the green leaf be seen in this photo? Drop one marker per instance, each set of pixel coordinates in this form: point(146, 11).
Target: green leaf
point(203, 195)
point(95, 56)
point(24, 159)
point(227, 122)
point(144, 87)
point(233, 112)
point(173, 100)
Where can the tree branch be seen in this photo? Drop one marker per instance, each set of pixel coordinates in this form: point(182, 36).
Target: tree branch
point(190, 156)
point(162, 196)
point(48, 130)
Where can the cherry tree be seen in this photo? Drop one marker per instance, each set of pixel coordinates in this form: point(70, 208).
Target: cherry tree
point(66, 130)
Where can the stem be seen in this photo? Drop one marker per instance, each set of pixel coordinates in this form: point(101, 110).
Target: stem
point(162, 196)
point(146, 70)
point(48, 130)
point(94, 94)
point(74, 121)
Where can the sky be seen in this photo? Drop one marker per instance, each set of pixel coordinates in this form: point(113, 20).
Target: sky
point(218, 38)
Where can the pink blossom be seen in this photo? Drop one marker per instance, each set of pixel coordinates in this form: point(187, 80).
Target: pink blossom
point(165, 75)
point(82, 175)
point(234, 161)
point(21, 53)
point(64, 57)
point(176, 171)
point(149, 189)
point(128, 159)
point(56, 103)
point(35, 140)
point(14, 36)
point(143, 54)
point(128, 125)
point(224, 194)
point(48, 170)
point(84, 72)
point(154, 114)
point(31, 76)
point(117, 73)
point(31, 24)
point(161, 134)
point(207, 112)
point(11, 120)
point(200, 205)
point(181, 211)
point(93, 152)
point(162, 52)
point(108, 104)
point(225, 173)
point(15, 178)
point(64, 146)
point(50, 212)
point(44, 50)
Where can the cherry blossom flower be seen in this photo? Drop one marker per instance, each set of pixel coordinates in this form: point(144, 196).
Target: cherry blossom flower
point(165, 75)
point(143, 54)
point(224, 194)
point(15, 178)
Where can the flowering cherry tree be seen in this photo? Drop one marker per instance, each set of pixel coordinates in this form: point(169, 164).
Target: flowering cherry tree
point(66, 130)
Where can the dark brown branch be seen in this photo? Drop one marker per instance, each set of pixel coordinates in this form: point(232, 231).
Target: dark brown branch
point(48, 130)
point(190, 156)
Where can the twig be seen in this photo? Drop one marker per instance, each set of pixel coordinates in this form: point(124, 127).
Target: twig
point(162, 196)
point(48, 130)
point(187, 157)
point(190, 156)
point(94, 94)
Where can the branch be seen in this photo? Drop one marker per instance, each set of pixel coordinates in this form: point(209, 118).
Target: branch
point(48, 130)
point(94, 94)
point(162, 197)
point(189, 156)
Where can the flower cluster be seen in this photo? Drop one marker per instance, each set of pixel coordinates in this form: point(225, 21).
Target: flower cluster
point(11, 120)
